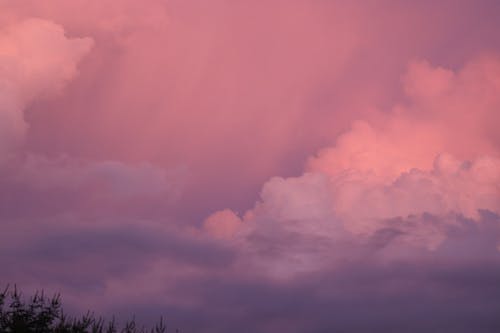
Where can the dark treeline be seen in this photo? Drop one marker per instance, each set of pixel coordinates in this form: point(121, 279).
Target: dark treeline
point(42, 314)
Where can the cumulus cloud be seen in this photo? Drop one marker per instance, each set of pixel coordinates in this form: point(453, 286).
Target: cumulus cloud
point(59, 195)
point(36, 61)
point(222, 224)
point(402, 167)
point(183, 107)
point(420, 158)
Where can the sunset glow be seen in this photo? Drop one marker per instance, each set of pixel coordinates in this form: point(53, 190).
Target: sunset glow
point(255, 166)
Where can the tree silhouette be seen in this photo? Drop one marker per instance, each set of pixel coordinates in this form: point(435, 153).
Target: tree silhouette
point(41, 314)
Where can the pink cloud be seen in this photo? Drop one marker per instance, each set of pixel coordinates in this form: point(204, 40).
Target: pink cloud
point(399, 167)
point(126, 123)
point(36, 60)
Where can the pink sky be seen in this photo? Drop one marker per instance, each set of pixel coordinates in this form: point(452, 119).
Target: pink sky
point(258, 166)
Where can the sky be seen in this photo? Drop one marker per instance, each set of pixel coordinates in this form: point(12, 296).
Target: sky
point(255, 166)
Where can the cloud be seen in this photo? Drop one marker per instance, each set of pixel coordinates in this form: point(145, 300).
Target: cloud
point(120, 19)
point(384, 280)
point(400, 168)
point(60, 185)
point(36, 61)
point(49, 203)
point(223, 224)
point(169, 83)
point(178, 108)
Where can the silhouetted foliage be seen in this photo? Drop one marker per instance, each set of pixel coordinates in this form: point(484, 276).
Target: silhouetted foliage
point(41, 314)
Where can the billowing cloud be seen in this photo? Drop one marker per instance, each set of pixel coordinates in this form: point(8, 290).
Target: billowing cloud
point(36, 61)
point(64, 193)
point(403, 166)
point(136, 137)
